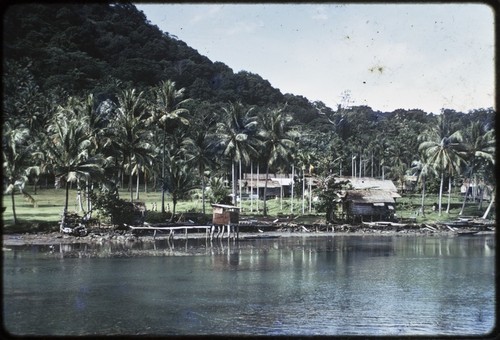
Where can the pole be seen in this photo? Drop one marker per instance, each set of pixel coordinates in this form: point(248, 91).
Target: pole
point(257, 187)
point(239, 181)
point(251, 186)
point(303, 188)
point(310, 194)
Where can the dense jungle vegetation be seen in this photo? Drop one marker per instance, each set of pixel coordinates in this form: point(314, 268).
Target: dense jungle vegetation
point(97, 95)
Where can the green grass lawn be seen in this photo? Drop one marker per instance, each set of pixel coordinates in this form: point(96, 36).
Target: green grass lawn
point(50, 203)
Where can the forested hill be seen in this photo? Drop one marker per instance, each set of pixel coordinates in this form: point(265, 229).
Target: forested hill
point(94, 47)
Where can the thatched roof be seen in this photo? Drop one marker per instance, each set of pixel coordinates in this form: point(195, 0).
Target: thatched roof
point(370, 196)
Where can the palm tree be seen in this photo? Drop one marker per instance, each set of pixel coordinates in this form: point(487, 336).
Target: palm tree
point(480, 151)
point(98, 130)
point(179, 179)
point(17, 154)
point(422, 170)
point(200, 151)
point(235, 136)
point(167, 112)
point(131, 134)
point(68, 150)
point(445, 154)
point(277, 140)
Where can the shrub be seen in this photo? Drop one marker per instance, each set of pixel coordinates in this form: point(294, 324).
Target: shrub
point(114, 209)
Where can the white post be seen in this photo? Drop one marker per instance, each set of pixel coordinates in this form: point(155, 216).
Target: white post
point(281, 196)
point(360, 165)
point(352, 166)
point(372, 164)
point(233, 184)
point(257, 187)
point(239, 181)
point(303, 187)
point(310, 194)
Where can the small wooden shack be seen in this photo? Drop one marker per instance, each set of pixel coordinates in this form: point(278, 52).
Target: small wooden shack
point(224, 214)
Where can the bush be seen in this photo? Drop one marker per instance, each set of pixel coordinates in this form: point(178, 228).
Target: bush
point(114, 209)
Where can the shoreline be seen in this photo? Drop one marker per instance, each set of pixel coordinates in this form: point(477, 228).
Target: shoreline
point(126, 237)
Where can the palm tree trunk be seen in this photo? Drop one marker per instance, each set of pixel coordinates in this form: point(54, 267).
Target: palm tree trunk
point(174, 203)
point(465, 197)
point(233, 178)
point(130, 180)
point(310, 194)
point(163, 172)
point(486, 213)
point(449, 195)
point(137, 184)
point(258, 187)
point(265, 190)
point(303, 189)
point(239, 182)
point(67, 199)
point(423, 197)
point(281, 197)
point(291, 194)
point(481, 198)
point(440, 192)
point(79, 197)
point(251, 186)
point(89, 200)
point(203, 192)
point(13, 206)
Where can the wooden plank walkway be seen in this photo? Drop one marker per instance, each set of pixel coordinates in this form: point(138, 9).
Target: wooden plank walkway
point(209, 230)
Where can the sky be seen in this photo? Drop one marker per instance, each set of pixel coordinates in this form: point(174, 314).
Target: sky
point(386, 56)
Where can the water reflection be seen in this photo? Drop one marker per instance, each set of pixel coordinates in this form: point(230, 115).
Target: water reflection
point(287, 286)
point(350, 247)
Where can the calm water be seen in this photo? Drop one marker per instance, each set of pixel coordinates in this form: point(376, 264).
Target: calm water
point(340, 285)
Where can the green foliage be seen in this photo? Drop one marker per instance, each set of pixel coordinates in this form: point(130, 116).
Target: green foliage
point(328, 193)
point(112, 209)
point(219, 192)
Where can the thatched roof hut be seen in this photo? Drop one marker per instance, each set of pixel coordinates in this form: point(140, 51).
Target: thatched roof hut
point(370, 198)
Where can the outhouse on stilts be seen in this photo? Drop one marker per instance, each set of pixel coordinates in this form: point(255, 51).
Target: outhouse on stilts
point(226, 216)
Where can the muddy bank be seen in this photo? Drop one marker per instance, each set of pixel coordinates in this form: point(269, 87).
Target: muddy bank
point(127, 237)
